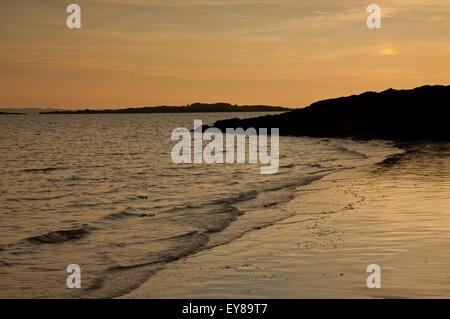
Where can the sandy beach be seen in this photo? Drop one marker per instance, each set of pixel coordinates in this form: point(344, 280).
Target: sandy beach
point(395, 214)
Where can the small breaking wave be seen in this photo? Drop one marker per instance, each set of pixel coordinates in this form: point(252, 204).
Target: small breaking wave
point(120, 215)
point(347, 151)
point(60, 236)
point(42, 170)
point(244, 196)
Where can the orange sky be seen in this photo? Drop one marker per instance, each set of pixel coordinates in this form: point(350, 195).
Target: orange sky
point(132, 53)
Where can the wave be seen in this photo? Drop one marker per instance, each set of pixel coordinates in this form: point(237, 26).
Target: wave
point(395, 159)
point(44, 170)
point(121, 279)
point(244, 196)
point(347, 151)
point(37, 199)
point(182, 236)
point(301, 181)
point(120, 215)
point(60, 236)
point(287, 166)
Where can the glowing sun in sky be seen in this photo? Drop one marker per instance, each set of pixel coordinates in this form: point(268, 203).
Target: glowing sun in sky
point(389, 51)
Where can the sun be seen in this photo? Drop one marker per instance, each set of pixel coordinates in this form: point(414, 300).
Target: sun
point(389, 51)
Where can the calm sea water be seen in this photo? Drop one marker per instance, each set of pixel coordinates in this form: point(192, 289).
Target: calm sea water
point(101, 191)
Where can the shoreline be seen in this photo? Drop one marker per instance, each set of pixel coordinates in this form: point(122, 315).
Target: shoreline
point(228, 271)
point(344, 222)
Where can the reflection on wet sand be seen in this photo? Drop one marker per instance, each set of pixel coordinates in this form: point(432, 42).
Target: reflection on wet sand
point(395, 214)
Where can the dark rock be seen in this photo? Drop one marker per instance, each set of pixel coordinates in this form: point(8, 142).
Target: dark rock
point(419, 114)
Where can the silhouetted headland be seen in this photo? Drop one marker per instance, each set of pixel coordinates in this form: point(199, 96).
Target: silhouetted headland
point(419, 114)
point(192, 108)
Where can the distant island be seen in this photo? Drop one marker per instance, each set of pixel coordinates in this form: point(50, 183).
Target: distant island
point(28, 110)
point(10, 113)
point(419, 114)
point(192, 108)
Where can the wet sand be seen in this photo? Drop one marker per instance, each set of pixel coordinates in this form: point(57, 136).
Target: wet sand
point(395, 215)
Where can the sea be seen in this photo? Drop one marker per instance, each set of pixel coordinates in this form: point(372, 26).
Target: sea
point(101, 191)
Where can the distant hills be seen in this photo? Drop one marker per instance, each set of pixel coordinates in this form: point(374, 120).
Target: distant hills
point(192, 108)
point(10, 113)
point(419, 114)
point(29, 110)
